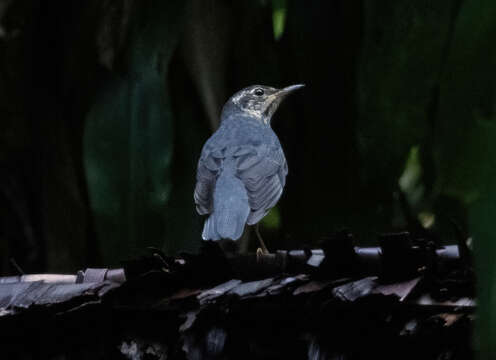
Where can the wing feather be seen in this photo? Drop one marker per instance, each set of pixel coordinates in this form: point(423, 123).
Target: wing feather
point(206, 175)
point(261, 168)
point(263, 171)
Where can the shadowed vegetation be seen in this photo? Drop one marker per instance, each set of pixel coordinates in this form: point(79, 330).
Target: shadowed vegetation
point(105, 106)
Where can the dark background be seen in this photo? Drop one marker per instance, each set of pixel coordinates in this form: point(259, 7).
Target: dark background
point(105, 105)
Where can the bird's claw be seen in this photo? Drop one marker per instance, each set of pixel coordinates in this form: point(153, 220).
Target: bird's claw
point(260, 254)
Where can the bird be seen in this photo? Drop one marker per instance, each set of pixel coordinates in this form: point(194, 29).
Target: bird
point(242, 169)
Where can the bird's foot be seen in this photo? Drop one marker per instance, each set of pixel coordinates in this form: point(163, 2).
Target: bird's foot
point(261, 253)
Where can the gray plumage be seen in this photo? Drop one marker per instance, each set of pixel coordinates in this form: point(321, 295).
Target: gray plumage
point(242, 169)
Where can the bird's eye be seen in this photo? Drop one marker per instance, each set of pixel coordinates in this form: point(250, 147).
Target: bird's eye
point(258, 92)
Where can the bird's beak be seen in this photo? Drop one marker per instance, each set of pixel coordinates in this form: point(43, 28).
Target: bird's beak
point(276, 98)
point(288, 90)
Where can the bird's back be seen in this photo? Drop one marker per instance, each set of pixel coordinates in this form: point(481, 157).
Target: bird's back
point(241, 130)
point(240, 177)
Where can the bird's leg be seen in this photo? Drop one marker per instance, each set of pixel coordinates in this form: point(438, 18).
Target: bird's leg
point(262, 250)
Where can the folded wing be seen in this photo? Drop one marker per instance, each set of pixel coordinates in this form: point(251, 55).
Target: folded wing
point(262, 169)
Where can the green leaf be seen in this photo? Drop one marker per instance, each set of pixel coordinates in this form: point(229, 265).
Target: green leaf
point(128, 144)
point(278, 17)
point(273, 219)
point(466, 146)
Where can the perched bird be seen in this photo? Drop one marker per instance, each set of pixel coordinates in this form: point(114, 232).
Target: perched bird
point(242, 169)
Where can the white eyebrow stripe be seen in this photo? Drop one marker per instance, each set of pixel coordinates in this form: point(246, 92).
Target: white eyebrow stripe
point(236, 98)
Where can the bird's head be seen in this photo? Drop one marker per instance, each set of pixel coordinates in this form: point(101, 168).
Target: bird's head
point(260, 102)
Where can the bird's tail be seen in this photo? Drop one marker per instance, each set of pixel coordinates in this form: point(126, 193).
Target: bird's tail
point(231, 209)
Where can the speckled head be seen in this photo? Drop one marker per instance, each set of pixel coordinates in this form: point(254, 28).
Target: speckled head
point(258, 101)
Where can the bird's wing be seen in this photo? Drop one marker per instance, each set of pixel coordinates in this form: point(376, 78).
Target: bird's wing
point(209, 166)
point(263, 170)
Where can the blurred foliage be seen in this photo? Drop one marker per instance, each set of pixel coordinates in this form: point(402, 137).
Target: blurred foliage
point(410, 181)
point(128, 142)
point(273, 219)
point(106, 104)
point(278, 17)
point(466, 153)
